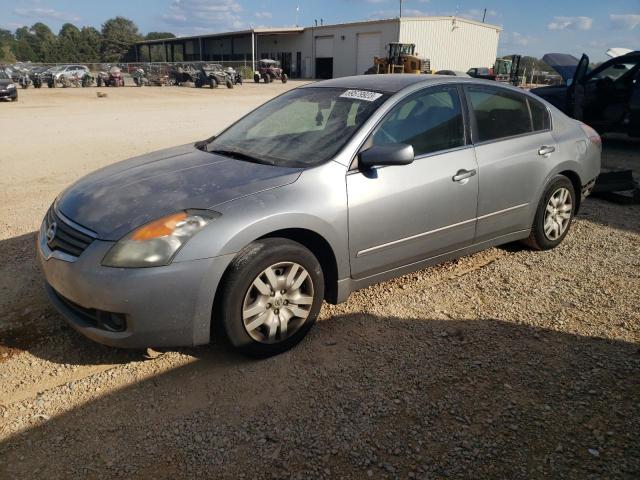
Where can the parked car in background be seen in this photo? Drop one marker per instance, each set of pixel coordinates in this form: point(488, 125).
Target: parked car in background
point(55, 76)
point(326, 189)
point(484, 73)
point(8, 88)
point(452, 73)
point(607, 97)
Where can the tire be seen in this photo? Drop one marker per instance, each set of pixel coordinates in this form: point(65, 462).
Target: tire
point(285, 78)
point(238, 294)
point(229, 83)
point(256, 78)
point(559, 219)
point(214, 83)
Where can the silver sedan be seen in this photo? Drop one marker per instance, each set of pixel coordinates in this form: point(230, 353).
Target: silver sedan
point(325, 189)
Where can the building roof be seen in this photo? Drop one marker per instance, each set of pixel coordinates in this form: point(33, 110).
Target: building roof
point(257, 31)
point(289, 30)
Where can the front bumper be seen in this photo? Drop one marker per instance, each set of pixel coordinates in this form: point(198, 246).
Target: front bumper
point(12, 93)
point(162, 306)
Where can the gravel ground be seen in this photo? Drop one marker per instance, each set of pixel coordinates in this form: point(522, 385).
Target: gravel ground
point(505, 364)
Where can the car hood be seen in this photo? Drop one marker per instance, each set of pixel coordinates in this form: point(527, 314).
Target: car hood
point(563, 63)
point(119, 198)
point(4, 82)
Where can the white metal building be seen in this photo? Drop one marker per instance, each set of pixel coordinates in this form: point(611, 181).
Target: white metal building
point(338, 50)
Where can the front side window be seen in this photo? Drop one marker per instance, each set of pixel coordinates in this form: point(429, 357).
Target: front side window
point(498, 113)
point(302, 127)
point(430, 120)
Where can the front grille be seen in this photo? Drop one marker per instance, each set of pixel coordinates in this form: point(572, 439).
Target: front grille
point(67, 239)
point(112, 322)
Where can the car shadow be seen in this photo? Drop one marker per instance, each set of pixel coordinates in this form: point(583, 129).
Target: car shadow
point(386, 395)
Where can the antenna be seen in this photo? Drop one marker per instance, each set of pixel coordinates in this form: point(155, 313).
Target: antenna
point(400, 8)
point(484, 15)
point(297, 12)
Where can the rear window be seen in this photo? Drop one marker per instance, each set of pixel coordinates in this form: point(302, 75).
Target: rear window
point(539, 115)
point(498, 113)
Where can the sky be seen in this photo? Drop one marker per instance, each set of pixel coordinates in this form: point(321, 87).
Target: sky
point(529, 27)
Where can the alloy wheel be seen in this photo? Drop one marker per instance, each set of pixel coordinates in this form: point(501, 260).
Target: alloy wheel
point(558, 214)
point(278, 302)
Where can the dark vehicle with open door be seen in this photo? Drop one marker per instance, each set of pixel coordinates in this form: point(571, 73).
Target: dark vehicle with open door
point(606, 98)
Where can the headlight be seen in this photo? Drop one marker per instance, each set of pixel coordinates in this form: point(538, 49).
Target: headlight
point(10, 86)
point(157, 243)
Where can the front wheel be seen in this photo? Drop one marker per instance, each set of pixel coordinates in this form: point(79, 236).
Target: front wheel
point(285, 78)
point(271, 296)
point(554, 215)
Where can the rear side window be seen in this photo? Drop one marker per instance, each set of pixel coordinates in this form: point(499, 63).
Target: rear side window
point(430, 120)
point(498, 113)
point(539, 115)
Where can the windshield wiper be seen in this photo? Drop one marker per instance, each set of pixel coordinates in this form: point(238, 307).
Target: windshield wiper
point(241, 156)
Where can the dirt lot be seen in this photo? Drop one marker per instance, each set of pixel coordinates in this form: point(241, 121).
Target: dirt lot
point(506, 364)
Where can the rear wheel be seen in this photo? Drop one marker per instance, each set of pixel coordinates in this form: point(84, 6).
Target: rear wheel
point(554, 215)
point(229, 83)
point(256, 78)
point(285, 78)
point(271, 297)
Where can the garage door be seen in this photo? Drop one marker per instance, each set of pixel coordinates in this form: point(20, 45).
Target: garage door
point(369, 46)
point(324, 47)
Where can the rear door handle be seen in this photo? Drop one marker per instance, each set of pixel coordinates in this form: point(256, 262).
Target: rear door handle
point(463, 175)
point(545, 150)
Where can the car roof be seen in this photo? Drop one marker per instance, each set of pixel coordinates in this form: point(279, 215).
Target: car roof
point(391, 83)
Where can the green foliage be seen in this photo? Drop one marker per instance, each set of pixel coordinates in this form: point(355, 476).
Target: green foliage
point(7, 44)
point(159, 35)
point(118, 36)
point(72, 44)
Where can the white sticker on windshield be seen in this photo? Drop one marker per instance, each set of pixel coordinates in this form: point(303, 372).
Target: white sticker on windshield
point(361, 95)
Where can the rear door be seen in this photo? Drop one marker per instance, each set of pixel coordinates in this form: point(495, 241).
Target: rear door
point(513, 145)
point(402, 214)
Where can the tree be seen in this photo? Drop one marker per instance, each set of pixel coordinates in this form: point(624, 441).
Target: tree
point(90, 44)
point(43, 42)
point(159, 35)
point(7, 45)
point(23, 49)
point(118, 36)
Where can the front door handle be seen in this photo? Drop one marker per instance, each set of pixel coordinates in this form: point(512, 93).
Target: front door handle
point(463, 175)
point(545, 150)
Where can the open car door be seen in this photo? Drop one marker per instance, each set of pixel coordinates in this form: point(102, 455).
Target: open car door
point(634, 107)
point(576, 89)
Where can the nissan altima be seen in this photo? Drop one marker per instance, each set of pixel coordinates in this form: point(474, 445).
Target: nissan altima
point(323, 190)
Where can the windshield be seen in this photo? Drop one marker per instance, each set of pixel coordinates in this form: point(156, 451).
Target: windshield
point(302, 127)
point(3, 75)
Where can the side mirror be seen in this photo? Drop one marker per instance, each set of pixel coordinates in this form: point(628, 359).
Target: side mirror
point(392, 154)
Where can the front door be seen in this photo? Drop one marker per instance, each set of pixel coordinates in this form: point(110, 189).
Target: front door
point(402, 214)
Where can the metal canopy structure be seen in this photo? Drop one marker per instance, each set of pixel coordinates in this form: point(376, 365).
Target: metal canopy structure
point(230, 46)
